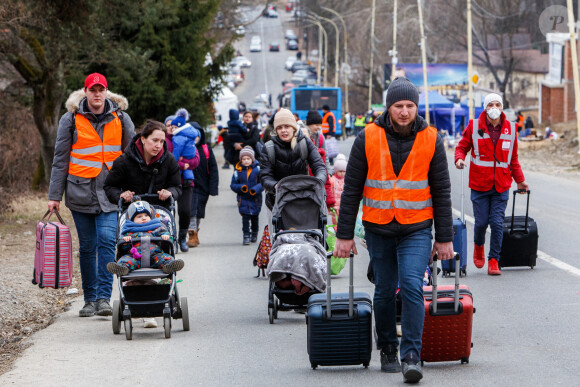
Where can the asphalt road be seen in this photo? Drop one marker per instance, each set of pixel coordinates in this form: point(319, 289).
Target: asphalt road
point(524, 330)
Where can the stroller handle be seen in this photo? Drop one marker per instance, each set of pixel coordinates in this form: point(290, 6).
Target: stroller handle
point(315, 233)
point(146, 196)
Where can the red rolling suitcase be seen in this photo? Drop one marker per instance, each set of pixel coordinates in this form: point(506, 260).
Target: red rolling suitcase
point(53, 254)
point(448, 320)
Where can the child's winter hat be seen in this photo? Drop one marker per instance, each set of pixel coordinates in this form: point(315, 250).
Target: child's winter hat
point(248, 151)
point(181, 117)
point(340, 163)
point(139, 207)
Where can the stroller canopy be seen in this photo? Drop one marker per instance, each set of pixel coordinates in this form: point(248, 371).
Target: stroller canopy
point(300, 201)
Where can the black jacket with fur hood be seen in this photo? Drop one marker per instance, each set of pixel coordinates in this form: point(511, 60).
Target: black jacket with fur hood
point(85, 195)
point(400, 147)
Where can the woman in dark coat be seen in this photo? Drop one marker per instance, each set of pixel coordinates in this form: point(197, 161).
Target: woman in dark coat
point(206, 185)
point(288, 161)
point(145, 167)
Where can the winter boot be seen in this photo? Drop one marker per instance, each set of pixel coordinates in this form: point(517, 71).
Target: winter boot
point(196, 239)
point(103, 307)
point(173, 266)
point(493, 267)
point(411, 367)
point(246, 239)
point(479, 256)
point(88, 310)
point(183, 241)
point(192, 236)
point(254, 237)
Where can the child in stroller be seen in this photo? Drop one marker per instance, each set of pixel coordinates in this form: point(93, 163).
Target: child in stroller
point(146, 277)
point(297, 267)
point(138, 225)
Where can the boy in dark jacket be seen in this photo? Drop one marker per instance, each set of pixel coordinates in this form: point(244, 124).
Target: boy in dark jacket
point(246, 183)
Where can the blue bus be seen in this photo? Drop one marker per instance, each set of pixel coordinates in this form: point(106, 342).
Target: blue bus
point(301, 99)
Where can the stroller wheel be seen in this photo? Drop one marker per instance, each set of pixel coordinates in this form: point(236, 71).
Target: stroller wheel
point(167, 327)
point(128, 329)
point(276, 304)
point(184, 313)
point(116, 317)
point(271, 314)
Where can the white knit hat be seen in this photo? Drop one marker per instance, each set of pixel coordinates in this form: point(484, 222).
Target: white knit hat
point(492, 98)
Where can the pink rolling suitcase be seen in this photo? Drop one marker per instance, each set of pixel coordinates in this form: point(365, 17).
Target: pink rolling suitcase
point(53, 254)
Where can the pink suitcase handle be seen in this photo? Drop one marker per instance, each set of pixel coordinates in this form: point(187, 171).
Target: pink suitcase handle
point(49, 213)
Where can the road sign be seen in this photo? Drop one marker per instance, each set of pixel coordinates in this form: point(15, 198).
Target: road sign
point(475, 78)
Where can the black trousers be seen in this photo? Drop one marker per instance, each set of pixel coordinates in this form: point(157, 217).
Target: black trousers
point(184, 208)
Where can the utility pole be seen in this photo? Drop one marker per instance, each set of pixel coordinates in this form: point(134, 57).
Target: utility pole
point(395, 59)
point(469, 64)
point(574, 53)
point(424, 60)
point(372, 54)
point(346, 80)
point(336, 58)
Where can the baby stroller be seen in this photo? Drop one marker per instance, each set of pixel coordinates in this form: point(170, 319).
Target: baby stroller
point(152, 292)
point(299, 219)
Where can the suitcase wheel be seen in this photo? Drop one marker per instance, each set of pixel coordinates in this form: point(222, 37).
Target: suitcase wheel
point(422, 363)
point(464, 272)
point(464, 360)
point(313, 365)
point(366, 364)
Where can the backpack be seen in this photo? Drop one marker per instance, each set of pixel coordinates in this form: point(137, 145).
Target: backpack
point(271, 151)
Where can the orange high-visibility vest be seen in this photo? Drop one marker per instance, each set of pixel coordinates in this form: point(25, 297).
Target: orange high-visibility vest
point(406, 197)
point(89, 153)
point(325, 126)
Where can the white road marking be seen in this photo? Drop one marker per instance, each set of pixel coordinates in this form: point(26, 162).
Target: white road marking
point(541, 255)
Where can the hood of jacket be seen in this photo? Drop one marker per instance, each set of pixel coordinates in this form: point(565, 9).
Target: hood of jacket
point(234, 115)
point(384, 122)
point(201, 137)
point(186, 130)
point(115, 102)
point(133, 152)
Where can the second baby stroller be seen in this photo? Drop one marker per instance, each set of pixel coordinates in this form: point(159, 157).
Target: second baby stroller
point(148, 292)
point(297, 267)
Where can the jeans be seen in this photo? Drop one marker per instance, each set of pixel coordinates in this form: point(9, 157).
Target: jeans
point(489, 209)
point(246, 220)
point(400, 260)
point(97, 240)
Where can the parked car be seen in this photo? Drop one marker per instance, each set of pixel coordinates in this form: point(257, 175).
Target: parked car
point(259, 105)
point(241, 61)
point(274, 46)
point(289, 62)
point(272, 13)
point(256, 47)
point(241, 30)
point(256, 39)
point(297, 65)
point(290, 34)
point(292, 44)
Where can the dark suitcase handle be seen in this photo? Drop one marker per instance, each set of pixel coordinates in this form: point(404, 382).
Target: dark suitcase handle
point(49, 213)
point(445, 308)
point(350, 286)
point(521, 191)
point(340, 312)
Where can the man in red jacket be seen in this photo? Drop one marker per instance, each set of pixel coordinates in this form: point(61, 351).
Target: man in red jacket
point(493, 143)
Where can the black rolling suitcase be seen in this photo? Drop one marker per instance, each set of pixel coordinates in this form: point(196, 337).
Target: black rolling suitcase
point(519, 245)
point(339, 326)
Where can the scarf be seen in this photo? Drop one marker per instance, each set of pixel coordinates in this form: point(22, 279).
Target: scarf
point(131, 226)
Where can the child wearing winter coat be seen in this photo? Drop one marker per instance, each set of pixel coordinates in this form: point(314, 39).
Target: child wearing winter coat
point(246, 183)
point(337, 183)
point(185, 136)
point(138, 225)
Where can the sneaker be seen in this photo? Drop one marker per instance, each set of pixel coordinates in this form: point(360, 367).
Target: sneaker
point(103, 307)
point(149, 323)
point(479, 256)
point(88, 310)
point(254, 237)
point(246, 240)
point(390, 359)
point(115, 268)
point(493, 267)
point(173, 266)
point(411, 367)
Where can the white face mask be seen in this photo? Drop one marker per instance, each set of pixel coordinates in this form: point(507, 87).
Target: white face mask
point(493, 113)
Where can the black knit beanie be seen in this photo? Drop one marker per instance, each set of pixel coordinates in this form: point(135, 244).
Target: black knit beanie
point(401, 89)
point(313, 118)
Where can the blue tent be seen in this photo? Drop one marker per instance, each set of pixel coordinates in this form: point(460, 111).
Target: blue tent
point(442, 112)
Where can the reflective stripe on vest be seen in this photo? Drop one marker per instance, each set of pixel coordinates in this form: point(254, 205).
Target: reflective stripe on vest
point(89, 153)
point(325, 127)
point(503, 137)
point(406, 197)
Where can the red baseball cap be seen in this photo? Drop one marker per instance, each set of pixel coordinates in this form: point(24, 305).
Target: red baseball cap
point(95, 79)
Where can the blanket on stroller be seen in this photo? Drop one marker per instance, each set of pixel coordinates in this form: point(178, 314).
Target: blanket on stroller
point(302, 257)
